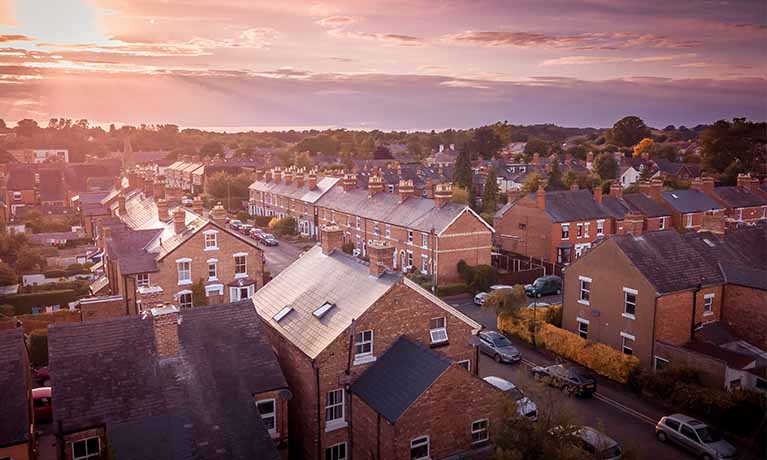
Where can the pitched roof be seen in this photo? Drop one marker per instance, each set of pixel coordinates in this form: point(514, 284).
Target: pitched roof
point(21, 178)
point(739, 197)
point(127, 247)
point(570, 205)
point(83, 176)
point(51, 187)
point(399, 377)
point(690, 200)
point(668, 261)
point(197, 405)
point(140, 211)
point(636, 202)
point(292, 191)
point(14, 405)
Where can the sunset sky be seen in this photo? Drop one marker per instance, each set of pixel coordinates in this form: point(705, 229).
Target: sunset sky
point(399, 64)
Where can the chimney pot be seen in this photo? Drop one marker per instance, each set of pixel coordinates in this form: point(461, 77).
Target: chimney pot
point(349, 181)
point(218, 213)
point(198, 205)
point(311, 180)
point(406, 189)
point(375, 185)
point(159, 188)
point(616, 190)
point(162, 210)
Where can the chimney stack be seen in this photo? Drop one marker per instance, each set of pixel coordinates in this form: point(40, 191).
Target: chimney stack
point(132, 179)
point(443, 194)
point(179, 221)
point(349, 181)
point(540, 197)
point(148, 187)
point(656, 189)
point(288, 176)
point(633, 223)
point(406, 189)
point(311, 180)
point(218, 213)
point(429, 188)
point(121, 205)
point(159, 188)
point(375, 185)
point(512, 194)
point(745, 181)
point(259, 174)
point(645, 188)
point(381, 255)
point(616, 190)
point(598, 194)
point(332, 237)
point(162, 210)
point(268, 176)
point(713, 222)
point(118, 184)
point(139, 182)
point(277, 175)
point(197, 205)
point(166, 320)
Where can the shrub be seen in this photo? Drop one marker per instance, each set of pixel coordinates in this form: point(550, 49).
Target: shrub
point(484, 277)
point(38, 347)
point(262, 221)
point(243, 216)
point(465, 271)
point(452, 289)
point(284, 226)
point(422, 280)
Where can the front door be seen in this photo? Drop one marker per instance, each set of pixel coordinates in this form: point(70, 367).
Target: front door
point(403, 260)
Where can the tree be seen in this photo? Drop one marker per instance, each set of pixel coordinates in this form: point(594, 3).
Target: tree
point(606, 166)
point(29, 259)
point(199, 298)
point(554, 181)
point(531, 182)
point(382, 152)
point(304, 160)
point(486, 142)
point(211, 149)
point(627, 131)
point(666, 151)
point(646, 145)
point(460, 195)
point(490, 197)
point(27, 128)
point(414, 148)
point(507, 302)
point(724, 142)
point(7, 275)
point(462, 174)
point(536, 145)
point(730, 174)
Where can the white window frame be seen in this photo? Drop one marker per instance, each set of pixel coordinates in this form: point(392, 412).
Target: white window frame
point(387, 229)
point(655, 362)
point(142, 280)
point(269, 415)
point(244, 256)
point(425, 240)
point(626, 336)
point(689, 220)
point(581, 322)
point(409, 237)
point(600, 227)
point(586, 229)
point(337, 421)
point(565, 231)
point(582, 289)
point(363, 356)
point(419, 442)
point(662, 224)
point(88, 455)
point(206, 235)
point(740, 214)
point(708, 304)
point(424, 264)
point(376, 230)
point(235, 292)
point(184, 293)
point(578, 231)
point(333, 452)
point(214, 264)
point(436, 333)
point(480, 430)
point(182, 281)
point(465, 363)
point(626, 293)
point(214, 289)
point(764, 212)
point(16, 196)
point(357, 221)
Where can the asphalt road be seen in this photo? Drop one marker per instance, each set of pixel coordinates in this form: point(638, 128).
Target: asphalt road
point(613, 410)
point(277, 258)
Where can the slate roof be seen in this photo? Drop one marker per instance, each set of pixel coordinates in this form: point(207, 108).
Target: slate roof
point(83, 177)
point(51, 187)
point(690, 200)
point(14, 405)
point(21, 178)
point(127, 247)
point(197, 405)
point(739, 197)
point(741, 256)
point(571, 205)
point(399, 377)
point(669, 262)
point(140, 211)
point(290, 190)
point(316, 278)
point(637, 202)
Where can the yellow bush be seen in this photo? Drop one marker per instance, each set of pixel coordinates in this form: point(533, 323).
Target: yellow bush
point(598, 357)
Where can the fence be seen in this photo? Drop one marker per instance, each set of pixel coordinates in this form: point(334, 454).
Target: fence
point(518, 269)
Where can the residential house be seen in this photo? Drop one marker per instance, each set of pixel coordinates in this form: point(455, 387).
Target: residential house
point(16, 422)
point(52, 192)
point(330, 316)
point(669, 170)
point(50, 155)
point(743, 202)
point(170, 384)
point(391, 399)
point(688, 206)
point(635, 213)
point(21, 190)
point(555, 226)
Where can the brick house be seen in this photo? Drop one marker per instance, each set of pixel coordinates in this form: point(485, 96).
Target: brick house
point(635, 213)
point(173, 384)
point(20, 189)
point(632, 291)
point(688, 206)
point(552, 226)
point(155, 255)
point(16, 423)
point(427, 235)
point(743, 203)
point(330, 315)
point(403, 407)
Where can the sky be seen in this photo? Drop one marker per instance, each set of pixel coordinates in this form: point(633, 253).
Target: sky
point(382, 64)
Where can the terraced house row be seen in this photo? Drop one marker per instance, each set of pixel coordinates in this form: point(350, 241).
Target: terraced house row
point(427, 235)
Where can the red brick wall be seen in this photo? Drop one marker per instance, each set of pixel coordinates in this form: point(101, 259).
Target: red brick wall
point(466, 239)
point(70, 438)
point(282, 426)
point(534, 240)
point(674, 314)
point(572, 240)
point(745, 312)
point(103, 310)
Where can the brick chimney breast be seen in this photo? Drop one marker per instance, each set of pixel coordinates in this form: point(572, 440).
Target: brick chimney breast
point(118, 184)
point(300, 179)
point(540, 197)
point(159, 188)
point(406, 189)
point(166, 320)
point(616, 190)
point(179, 221)
point(277, 175)
point(198, 205)
point(656, 189)
point(443, 193)
point(331, 238)
point(381, 255)
point(122, 205)
point(375, 185)
point(598, 194)
point(288, 177)
point(349, 181)
point(218, 213)
point(311, 180)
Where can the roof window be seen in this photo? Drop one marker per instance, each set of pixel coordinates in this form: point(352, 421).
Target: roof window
point(282, 313)
point(323, 309)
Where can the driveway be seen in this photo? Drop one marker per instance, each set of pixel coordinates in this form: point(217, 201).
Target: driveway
point(613, 410)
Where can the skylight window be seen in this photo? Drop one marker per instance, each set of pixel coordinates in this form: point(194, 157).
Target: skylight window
point(282, 313)
point(674, 195)
point(708, 242)
point(324, 308)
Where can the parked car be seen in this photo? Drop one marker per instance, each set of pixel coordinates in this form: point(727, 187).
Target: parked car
point(496, 287)
point(499, 347)
point(234, 224)
point(525, 406)
point(226, 219)
point(480, 298)
point(598, 445)
point(545, 285)
point(697, 437)
point(42, 404)
point(244, 229)
point(269, 240)
point(256, 233)
point(571, 380)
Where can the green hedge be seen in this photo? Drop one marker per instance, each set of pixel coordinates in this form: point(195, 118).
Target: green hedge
point(262, 221)
point(38, 347)
point(452, 289)
point(23, 303)
point(479, 278)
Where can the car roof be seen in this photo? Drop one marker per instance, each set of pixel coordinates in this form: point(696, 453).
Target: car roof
point(686, 419)
point(501, 384)
point(41, 392)
point(595, 438)
point(491, 334)
point(501, 286)
point(548, 277)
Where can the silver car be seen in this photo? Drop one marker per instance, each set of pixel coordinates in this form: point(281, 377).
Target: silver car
point(499, 347)
point(525, 406)
point(695, 436)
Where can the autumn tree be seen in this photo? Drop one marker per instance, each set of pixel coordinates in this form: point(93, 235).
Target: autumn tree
point(211, 149)
point(486, 142)
point(554, 181)
point(507, 302)
point(645, 146)
point(531, 182)
point(627, 131)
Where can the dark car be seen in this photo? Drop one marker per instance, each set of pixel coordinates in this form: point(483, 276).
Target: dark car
point(545, 285)
point(41, 404)
point(244, 229)
point(269, 240)
point(572, 381)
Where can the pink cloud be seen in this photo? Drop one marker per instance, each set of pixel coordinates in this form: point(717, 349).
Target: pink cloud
point(583, 41)
point(337, 21)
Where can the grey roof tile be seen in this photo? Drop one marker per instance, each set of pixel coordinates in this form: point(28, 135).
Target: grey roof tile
point(14, 405)
point(690, 200)
point(739, 197)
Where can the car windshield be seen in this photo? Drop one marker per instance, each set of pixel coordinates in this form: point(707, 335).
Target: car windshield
point(538, 283)
point(611, 452)
point(708, 435)
point(268, 235)
point(516, 394)
point(501, 342)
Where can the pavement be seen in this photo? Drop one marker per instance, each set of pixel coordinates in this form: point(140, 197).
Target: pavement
point(613, 410)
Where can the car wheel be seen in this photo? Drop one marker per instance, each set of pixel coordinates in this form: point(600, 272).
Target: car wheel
point(538, 377)
point(662, 437)
point(539, 295)
point(569, 390)
point(497, 358)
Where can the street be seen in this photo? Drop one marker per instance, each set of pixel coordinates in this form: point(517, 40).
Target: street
point(613, 410)
point(277, 258)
